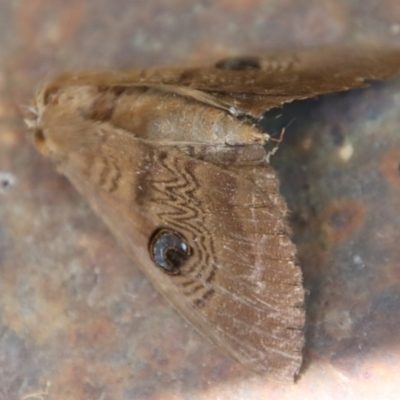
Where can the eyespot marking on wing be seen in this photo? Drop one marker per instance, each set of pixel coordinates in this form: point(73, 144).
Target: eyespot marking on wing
point(248, 63)
point(169, 250)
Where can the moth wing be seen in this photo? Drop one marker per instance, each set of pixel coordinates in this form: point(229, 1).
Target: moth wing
point(294, 75)
point(256, 83)
point(240, 287)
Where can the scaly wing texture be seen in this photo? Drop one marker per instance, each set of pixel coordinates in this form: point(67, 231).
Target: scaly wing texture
point(255, 84)
point(240, 287)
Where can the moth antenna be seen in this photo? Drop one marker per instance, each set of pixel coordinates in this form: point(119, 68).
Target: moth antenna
point(278, 141)
point(283, 130)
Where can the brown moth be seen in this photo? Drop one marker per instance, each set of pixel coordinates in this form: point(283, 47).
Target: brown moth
point(172, 160)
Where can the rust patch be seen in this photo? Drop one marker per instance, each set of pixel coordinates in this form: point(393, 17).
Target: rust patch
point(342, 219)
point(98, 332)
point(390, 166)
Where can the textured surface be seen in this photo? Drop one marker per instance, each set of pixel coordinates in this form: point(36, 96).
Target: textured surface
point(74, 310)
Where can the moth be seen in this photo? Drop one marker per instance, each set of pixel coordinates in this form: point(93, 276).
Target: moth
point(173, 161)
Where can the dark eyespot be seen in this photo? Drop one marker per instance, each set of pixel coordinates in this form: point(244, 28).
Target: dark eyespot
point(169, 250)
point(239, 64)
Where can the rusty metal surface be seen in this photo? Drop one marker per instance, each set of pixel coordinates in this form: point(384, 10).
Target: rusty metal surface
point(78, 321)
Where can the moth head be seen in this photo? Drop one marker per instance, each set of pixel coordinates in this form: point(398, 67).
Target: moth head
point(169, 250)
point(57, 118)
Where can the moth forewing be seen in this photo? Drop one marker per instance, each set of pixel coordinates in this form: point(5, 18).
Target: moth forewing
point(239, 304)
point(171, 159)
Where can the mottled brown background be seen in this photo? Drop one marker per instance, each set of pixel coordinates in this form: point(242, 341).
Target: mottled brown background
point(78, 321)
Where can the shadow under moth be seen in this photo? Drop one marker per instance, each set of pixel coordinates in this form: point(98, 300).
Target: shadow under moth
point(173, 161)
